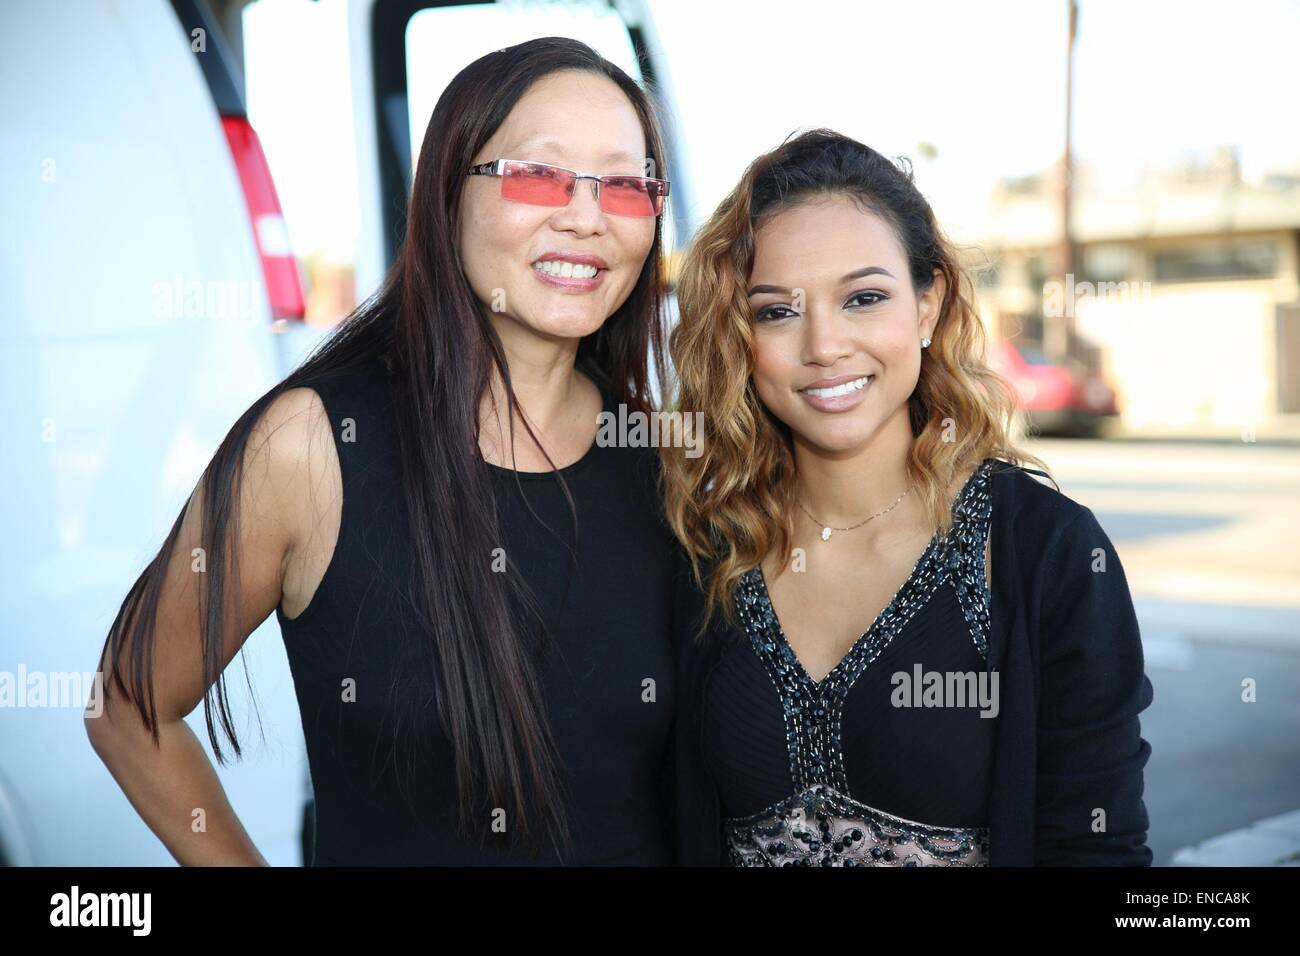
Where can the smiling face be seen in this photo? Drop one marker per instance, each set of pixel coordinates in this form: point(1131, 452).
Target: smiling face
point(583, 122)
point(837, 325)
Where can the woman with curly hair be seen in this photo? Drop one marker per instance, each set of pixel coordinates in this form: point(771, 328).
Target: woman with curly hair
point(901, 648)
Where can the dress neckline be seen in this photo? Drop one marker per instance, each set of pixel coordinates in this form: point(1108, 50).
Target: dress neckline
point(500, 471)
point(886, 623)
point(844, 662)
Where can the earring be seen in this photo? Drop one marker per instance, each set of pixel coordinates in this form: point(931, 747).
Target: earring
point(925, 343)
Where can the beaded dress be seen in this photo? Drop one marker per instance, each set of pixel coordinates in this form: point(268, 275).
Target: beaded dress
point(855, 769)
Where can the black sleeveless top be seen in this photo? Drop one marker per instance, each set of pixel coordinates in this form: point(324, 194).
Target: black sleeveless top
point(606, 671)
point(888, 759)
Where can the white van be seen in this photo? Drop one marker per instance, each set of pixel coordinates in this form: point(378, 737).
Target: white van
point(150, 297)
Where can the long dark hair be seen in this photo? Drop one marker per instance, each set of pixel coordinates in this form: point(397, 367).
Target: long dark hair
point(441, 348)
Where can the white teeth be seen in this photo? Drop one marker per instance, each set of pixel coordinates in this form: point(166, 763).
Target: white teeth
point(566, 270)
point(837, 390)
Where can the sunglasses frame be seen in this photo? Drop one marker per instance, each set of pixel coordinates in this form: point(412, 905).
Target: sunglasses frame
point(497, 168)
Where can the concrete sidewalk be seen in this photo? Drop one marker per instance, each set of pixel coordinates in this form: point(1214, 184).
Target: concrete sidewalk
point(1279, 430)
point(1274, 841)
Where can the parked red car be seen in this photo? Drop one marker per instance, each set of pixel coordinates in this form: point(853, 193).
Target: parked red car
point(1057, 399)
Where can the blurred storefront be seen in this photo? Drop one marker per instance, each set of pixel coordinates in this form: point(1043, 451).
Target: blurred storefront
point(1187, 292)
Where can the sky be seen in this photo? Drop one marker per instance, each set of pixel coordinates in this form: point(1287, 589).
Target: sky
point(1156, 81)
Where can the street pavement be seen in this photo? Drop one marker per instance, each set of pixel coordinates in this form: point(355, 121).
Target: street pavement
point(1209, 537)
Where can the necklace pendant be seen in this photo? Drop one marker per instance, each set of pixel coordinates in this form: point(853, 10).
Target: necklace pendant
point(826, 534)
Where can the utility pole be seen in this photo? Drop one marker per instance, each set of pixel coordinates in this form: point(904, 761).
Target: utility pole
point(1058, 330)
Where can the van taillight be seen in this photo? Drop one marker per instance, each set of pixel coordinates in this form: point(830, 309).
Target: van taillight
point(279, 268)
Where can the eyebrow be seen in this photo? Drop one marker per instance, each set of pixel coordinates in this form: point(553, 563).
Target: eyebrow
point(858, 274)
point(536, 142)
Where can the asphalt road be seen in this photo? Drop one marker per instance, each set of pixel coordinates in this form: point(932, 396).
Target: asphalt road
point(1209, 536)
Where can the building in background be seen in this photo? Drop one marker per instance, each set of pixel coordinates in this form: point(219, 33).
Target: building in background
point(1187, 296)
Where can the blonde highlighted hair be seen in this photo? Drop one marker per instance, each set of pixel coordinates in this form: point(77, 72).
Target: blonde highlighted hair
point(734, 503)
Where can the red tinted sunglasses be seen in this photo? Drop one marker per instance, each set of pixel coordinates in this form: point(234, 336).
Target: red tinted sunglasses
point(541, 184)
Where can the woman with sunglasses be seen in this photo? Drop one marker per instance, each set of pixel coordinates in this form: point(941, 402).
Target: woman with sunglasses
point(474, 594)
point(925, 656)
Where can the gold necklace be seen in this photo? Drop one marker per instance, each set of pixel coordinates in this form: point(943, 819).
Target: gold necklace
point(827, 529)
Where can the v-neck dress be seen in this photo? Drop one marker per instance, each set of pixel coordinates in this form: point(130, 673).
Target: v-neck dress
point(887, 760)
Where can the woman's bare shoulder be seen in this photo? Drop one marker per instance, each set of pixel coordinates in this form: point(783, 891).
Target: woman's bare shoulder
point(293, 442)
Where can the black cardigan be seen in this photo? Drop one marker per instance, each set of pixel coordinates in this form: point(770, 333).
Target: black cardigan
point(1064, 639)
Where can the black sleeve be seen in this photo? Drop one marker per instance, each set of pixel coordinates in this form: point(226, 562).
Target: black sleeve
point(698, 824)
point(1092, 687)
point(671, 783)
